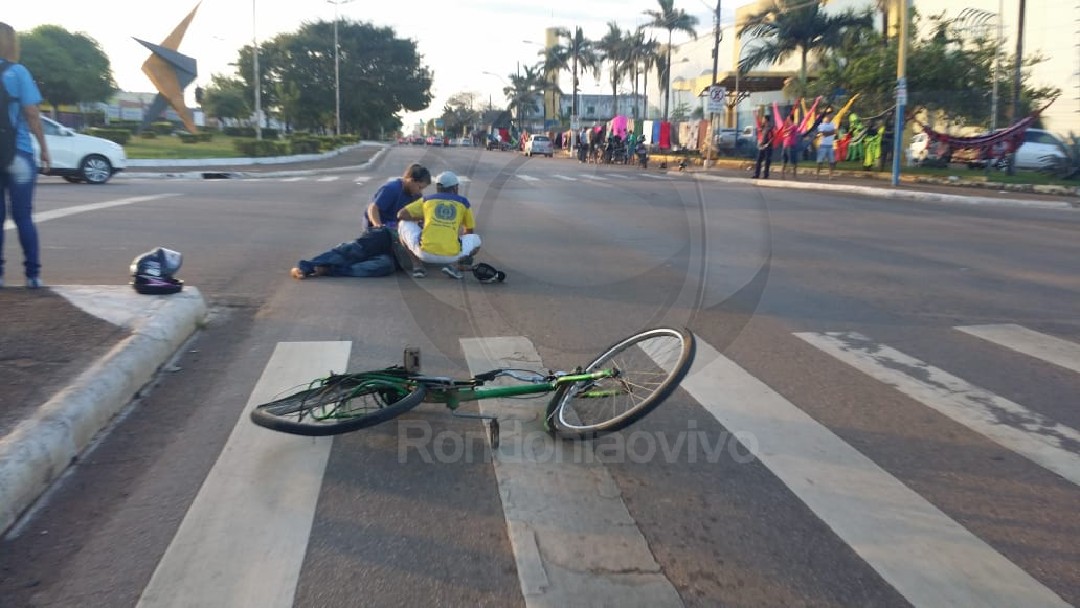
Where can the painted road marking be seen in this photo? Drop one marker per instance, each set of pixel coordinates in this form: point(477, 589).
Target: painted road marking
point(243, 539)
point(292, 179)
point(55, 214)
point(565, 178)
point(596, 177)
point(328, 178)
point(927, 557)
point(1029, 342)
point(574, 541)
point(529, 178)
point(1009, 424)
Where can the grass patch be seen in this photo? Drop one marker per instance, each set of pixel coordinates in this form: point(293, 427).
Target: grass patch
point(170, 146)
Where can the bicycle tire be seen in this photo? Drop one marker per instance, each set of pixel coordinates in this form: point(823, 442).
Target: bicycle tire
point(340, 404)
point(650, 383)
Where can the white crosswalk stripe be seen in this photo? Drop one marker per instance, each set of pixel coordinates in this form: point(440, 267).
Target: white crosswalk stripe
point(1032, 343)
point(328, 178)
point(1009, 424)
point(926, 556)
point(594, 177)
point(242, 541)
point(292, 179)
point(362, 179)
point(528, 178)
point(660, 177)
point(565, 178)
point(556, 508)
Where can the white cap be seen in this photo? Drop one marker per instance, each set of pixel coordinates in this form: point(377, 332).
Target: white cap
point(446, 179)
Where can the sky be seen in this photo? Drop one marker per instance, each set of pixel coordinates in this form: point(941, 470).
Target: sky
point(459, 41)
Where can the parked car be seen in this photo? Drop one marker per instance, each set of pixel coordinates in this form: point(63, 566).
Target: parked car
point(465, 142)
point(80, 158)
point(539, 144)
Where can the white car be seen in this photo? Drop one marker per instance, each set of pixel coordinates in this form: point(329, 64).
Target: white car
point(539, 144)
point(80, 158)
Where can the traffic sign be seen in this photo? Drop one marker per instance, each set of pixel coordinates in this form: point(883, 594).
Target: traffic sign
point(717, 99)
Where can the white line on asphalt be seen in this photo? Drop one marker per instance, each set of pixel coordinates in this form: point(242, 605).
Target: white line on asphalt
point(574, 541)
point(529, 178)
point(362, 179)
point(55, 214)
point(651, 176)
point(1007, 423)
point(243, 539)
point(328, 178)
point(565, 178)
point(1029, 342)
point(927, 557)
point(464, 179)
point(292, 179)
point(596, 177)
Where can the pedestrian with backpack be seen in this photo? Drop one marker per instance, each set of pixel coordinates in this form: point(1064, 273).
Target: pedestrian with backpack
point(19, 118)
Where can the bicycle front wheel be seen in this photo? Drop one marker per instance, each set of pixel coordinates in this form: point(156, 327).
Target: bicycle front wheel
point(340, 404)
point(649, 366)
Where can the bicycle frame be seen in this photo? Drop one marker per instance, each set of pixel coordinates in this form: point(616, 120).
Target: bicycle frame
point(454, 396)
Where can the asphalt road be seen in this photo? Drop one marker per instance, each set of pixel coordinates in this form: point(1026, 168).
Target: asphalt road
point(870, 420)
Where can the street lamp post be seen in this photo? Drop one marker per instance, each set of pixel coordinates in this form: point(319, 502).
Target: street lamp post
point(258, 81)
point(337, 72)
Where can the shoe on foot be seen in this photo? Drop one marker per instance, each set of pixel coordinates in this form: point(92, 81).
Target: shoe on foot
point(419, 273)
point(452, 272)
point(34, 283)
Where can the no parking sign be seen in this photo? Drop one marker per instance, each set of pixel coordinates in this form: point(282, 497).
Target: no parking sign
point(717, 95)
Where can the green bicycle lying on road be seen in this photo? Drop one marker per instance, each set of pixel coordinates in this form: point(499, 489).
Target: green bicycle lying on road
point(625, 382)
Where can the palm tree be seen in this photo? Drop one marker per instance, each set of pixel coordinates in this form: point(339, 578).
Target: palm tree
point(615, 49)
point(523, 90)
point(669, 18)
point(649, 55)
point(790, 26)
point(575, 54)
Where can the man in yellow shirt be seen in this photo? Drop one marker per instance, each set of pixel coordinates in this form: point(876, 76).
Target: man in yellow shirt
point(447, 236)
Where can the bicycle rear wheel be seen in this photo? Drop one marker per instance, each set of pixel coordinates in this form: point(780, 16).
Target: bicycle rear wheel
point(649, 365)
point(340, 404)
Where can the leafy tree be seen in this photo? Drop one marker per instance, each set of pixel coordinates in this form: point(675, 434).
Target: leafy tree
point(794, 26)
point(380, 76)
point(459, 113)
point(69, 68)
point(669, 18)
point(225, 98)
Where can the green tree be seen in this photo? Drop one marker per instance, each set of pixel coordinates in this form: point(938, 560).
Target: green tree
point(669, 18)
point(523, 90)
point(380, 76)
point(574, 53)
point(795, 26)
point(644, 56)
point(69, 68)
point(460, 113)
point(225, 98)
point(615, 50)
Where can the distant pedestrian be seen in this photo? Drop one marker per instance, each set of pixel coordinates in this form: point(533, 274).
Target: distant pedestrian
point(766, 135)
point(825, 153)
point(18, 177)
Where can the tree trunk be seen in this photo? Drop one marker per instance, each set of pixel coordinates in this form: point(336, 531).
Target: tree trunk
point(667, 89)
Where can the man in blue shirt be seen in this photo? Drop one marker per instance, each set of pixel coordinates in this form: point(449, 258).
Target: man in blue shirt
point(371, 254)
point(17, 180)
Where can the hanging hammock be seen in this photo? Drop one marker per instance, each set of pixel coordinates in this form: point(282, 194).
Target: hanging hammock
point(991, 145)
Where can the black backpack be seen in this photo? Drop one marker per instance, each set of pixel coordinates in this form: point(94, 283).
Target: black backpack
point(7, 130)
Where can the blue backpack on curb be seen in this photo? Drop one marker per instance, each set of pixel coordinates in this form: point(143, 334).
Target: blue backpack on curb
point(7, 130)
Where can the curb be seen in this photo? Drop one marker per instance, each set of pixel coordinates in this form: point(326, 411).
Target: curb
point(37, 451)
point(934, 197)
point(206, 165)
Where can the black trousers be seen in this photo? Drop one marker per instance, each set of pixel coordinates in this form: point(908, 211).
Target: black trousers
point(764, 155)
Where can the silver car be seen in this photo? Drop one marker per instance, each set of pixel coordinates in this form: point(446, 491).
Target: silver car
point(539, 144)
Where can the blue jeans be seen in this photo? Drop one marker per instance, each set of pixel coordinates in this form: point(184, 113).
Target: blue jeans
point(370, 255)
point(17, 185)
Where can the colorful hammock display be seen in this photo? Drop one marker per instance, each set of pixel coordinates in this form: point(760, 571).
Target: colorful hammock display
point(992, 145)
